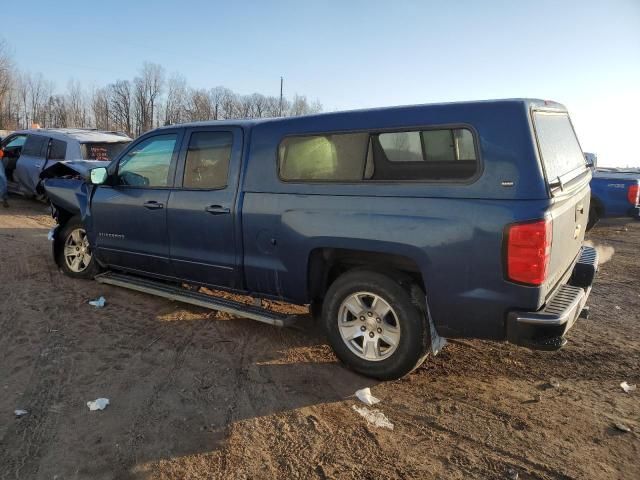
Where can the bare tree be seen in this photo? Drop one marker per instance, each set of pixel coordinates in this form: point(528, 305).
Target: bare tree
point(272, 107)
point(199, 105)
point(76, 104)
point(258, 105)
point(59, 112)
point(244, 106)
point(100, 108)
point(228, 104)
point(147, 90)
point(120, 106)
point(6, 83)
point(175, 103)
point(133, 106)
point(37, 94)
point(23, 93)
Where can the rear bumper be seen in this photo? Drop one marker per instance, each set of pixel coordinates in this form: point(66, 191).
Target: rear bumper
point(545, 329)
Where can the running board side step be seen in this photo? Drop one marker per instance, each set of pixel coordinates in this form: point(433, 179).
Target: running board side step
point(179, 294)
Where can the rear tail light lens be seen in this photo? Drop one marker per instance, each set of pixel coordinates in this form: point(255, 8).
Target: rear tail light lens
point(528, 251)
point(633, 194)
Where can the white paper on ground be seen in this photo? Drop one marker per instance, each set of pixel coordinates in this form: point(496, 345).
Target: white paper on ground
point(622, 427)
point(364, 395)
point(626, 387)
point(20, 413)
point(98, 302)
point(374, 417)
point(98, 404)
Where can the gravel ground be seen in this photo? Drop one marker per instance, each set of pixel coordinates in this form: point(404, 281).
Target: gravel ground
point(198, 394)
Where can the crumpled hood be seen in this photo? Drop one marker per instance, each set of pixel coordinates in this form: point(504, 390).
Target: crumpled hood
point(71, 167)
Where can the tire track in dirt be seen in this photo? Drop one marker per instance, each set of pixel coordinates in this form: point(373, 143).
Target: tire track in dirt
point(52, 372)
point(502, 456)
point(147, 413)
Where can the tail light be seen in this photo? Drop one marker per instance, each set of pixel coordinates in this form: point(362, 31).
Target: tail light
point(528, 251)
point(633, 194)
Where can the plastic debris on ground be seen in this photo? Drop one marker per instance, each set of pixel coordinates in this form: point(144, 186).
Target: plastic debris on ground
point(98, 404)
point(364, 395)
point(512, 474)
point(98, 302)
point(50, 234)
point(553, 382)
point(20, 413)
point(374, 417)
point(622, 427)
point(626, 387)
point(618, 308)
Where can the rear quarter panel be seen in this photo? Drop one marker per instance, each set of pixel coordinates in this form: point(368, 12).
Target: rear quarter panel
point(456, 244)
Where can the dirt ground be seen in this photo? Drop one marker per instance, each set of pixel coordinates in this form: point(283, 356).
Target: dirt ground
point(195, 394)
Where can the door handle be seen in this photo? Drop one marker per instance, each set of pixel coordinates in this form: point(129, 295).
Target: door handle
point(152, 205)
point(217, 210)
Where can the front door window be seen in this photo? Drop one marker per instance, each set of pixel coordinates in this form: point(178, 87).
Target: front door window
point(148, 163)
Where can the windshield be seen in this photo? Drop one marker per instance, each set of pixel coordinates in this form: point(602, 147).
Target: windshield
point(102, 151)
point(559, 147)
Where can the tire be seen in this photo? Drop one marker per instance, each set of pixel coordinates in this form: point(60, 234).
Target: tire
point(593, 217)
point(405, 326)
point(83, 264)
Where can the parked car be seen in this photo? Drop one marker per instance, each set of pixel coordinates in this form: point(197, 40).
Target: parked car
point(26, 153)
point(396, 225)
point(615, 192)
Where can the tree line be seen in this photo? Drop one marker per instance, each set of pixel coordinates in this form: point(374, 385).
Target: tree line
point(149, 100)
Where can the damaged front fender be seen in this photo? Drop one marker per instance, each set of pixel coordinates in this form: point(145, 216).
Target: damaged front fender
point(69, 195)
point(69, 198)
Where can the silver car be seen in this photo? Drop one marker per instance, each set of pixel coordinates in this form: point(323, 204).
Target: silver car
point(27, 153)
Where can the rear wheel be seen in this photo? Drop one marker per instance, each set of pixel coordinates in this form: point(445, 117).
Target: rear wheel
point(73, 252)
point(374, 325)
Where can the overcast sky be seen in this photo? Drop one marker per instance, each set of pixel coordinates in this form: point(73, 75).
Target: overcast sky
point(352, 54)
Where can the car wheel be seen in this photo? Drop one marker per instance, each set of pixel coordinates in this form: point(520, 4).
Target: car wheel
point(73, 252)
point(374, 325)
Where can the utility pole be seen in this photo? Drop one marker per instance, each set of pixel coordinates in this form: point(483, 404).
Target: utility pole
point(280, 109)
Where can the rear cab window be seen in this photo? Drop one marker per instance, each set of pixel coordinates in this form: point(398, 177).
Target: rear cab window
point(442, 154)
point(102, 151)
point(560, 151)
point(57, 149)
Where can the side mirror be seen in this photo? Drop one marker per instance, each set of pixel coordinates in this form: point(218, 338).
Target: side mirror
point(98, 175)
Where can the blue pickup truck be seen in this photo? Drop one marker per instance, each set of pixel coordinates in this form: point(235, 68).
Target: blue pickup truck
point(396, 226)
point(615, 192)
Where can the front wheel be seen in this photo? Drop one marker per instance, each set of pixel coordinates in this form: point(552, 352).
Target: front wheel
point(374, 325)
point(73, 252)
